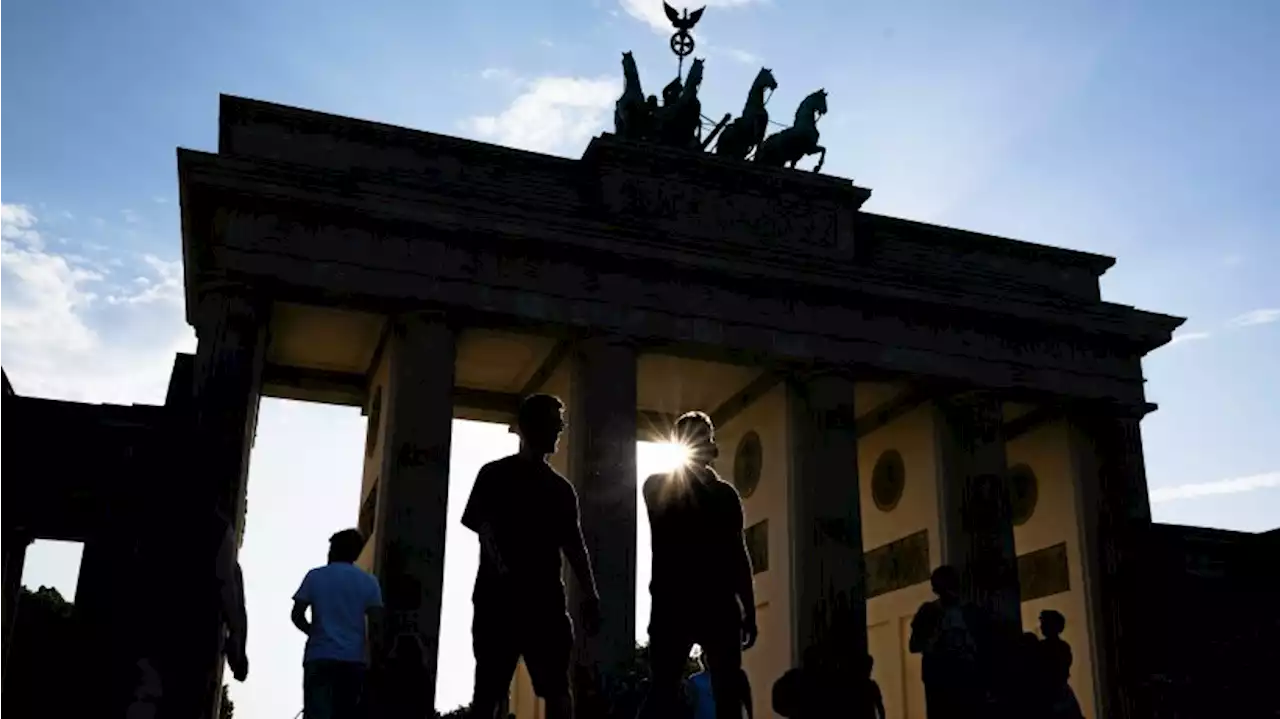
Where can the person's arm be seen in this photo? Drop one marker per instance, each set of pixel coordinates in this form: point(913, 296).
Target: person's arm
point(478, 515)
point(231, 593)
point(301, 601)
point(879, 700)
point(921, 629)
point(744, 576)
point(574, 544)
point(231, 598)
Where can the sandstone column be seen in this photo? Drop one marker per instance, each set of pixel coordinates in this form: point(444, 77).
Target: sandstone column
point(15, 558)
point(828, 577)
point(974, 514)
point(414, 491)
point(1115, 523)
point(602, 466)
point(230, 325)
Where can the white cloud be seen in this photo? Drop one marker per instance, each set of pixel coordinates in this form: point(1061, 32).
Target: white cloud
point(1238, 485)
point(1182, 337)
point(553, 115)
point(496, 73)
point(1264, 316)
point(650, 12)
point(62, 339)
point(130, 216)
point(742, 56)
point(18, 223)
point(166, 287)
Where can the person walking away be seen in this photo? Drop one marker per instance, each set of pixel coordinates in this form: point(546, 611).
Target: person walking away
point(345, 604)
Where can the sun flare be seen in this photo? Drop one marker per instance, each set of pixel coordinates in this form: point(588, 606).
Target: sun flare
point(665, 456)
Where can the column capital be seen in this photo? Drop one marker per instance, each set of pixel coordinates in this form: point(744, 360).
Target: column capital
point(401, 320)
point(606, 340)
point(227, 301)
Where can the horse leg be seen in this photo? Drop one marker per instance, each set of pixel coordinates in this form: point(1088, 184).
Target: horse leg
point(822, 158)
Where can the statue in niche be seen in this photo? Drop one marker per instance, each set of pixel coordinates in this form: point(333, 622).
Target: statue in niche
point(680, 118)
point(799, 140)
point(745, 133)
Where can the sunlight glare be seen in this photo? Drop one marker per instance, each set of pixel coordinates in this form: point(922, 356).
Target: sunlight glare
point(666, 456)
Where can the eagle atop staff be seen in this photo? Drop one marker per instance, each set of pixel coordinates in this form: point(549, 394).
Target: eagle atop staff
point(686, 23)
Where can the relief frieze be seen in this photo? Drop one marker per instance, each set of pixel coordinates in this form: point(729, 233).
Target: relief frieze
point(784, 223)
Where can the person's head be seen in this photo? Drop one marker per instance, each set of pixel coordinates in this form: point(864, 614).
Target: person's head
point(695, 431)
point(945, 582)
point(867, 664)
point(540, 420)
point(1052, 623)
point(345, 546)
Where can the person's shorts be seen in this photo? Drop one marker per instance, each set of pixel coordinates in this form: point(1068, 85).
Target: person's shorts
point(332, 689)
point(544, 639)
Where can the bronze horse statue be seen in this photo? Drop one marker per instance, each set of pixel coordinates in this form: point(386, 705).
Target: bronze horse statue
point(632, 113)
point(801, 139)
point(747, 132)
point(680, 122)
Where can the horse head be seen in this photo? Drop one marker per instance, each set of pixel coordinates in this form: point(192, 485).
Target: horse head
point(811, 108)
point(694, 79)
point(765, 80)
point(629, 70)
point(819, 102)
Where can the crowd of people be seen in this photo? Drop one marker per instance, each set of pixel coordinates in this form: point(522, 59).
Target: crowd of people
point(526, 516)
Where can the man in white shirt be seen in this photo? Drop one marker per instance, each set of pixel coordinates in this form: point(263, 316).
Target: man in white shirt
point(341, 597)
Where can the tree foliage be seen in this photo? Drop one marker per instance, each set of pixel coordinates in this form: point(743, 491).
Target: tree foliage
point(43, 655)
point(226, 708)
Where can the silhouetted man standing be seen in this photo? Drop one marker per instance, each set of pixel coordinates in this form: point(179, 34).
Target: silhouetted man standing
point(526, 514)
point(950, 633)
point(702, 580)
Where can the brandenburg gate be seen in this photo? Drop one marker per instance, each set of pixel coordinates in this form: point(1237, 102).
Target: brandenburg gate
point(891, 395)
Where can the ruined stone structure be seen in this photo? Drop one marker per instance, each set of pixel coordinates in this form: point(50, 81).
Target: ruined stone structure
point(891, 395)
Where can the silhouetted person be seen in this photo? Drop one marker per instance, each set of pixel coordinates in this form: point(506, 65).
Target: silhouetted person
point(344, 600)
point(868, 701)
point(947, 632)
point(1028, 679)
point(702, 581)
point(402, 678)
point(1056, 664)
point(526, 514)
point(818, 684)
point(231, 600)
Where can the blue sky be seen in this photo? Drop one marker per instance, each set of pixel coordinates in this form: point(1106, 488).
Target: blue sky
point(1140, 129)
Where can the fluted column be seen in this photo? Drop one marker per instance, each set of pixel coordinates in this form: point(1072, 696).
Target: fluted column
point(828, 579)
point(1115, 523)
point(602, 467)
point(414, 494)
point(974, 514)
point(230, 324)
point(205, 498)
